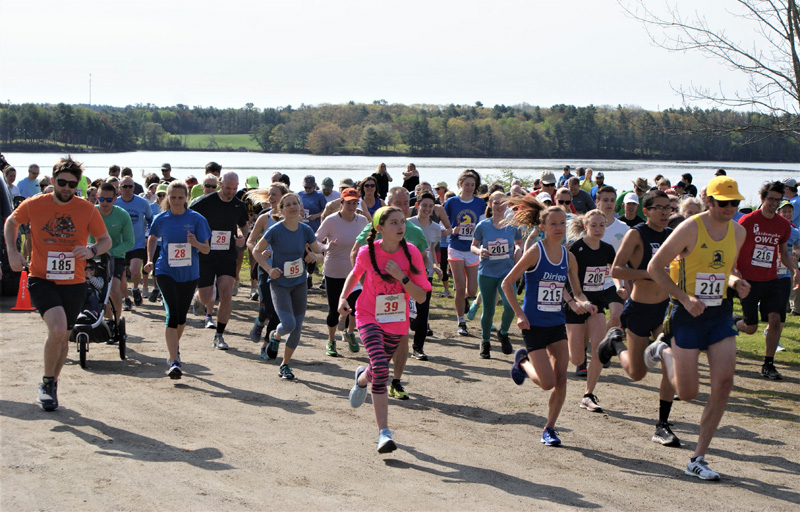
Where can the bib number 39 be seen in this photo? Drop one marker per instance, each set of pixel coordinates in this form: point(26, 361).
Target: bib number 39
point(390, 308)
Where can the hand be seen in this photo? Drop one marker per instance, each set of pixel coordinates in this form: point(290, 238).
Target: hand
point(591, 308)
point(344, 307)
point(191, 239)
point(485, 253)
point(742, 288)
point(275, 272)
point(694, 306)
point(332, 243)
point(394, 270)
point(240, 241)
point(148, 267)
point(17, 261)
point(623, 293)
point(81, 252)
point(438, 271)
point(266, 253)
point(577, 307)
point(522, 322)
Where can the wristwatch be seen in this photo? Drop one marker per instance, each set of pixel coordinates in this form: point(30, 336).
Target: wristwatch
point(405, 279)
point(94, 249)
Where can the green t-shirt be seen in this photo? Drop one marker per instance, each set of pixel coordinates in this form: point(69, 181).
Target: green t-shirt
point(120, 229)
point(619, 208)
point(196, 192)
point(414, 235)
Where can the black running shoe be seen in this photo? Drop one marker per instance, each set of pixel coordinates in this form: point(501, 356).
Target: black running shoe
point(419, 355)
point(485, 352)
point(47, 395)
point(768, 370)
point(505, 343)
point(154, 295)
point(664, 435)
point(137, 297)
point(606, 349)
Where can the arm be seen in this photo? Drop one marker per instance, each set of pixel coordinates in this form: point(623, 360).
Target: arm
point(682, 241)
point(15, 258)
point(417, 293)
point(257, 232)
point(578, 302)
point(621, 269)
point(152, 241)
point(528, 259)
point(203, 247)
point(477, 250)
point(439, 211)
point(349, 284)
point(261, 259)
point(128, 238)
point(102, 244)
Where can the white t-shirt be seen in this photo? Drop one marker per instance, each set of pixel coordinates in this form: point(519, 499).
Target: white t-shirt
point(333, 197)
point(615, 233)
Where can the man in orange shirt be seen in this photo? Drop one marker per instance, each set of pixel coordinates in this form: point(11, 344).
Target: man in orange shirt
point(60, 228)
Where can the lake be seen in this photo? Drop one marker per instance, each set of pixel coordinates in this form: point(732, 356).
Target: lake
point(618, 173)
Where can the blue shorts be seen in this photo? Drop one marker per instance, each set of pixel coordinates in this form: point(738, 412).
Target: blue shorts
point(712, 326)
point(642, 319)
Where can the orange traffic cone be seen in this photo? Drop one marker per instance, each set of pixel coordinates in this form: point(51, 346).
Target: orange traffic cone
point(23, 299)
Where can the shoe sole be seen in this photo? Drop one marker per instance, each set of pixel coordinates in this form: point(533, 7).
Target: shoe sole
point(551, 443)
point(595, 409)
point(47, 406)
point(175, 374)
point(387, 447)
point(711, 479)
point(663, 442)
point(332, 354)
point(398, 396)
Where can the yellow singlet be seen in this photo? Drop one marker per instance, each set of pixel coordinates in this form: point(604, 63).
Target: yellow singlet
point(704, 272)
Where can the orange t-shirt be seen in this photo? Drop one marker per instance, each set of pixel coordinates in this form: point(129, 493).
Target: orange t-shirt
point(55, 230)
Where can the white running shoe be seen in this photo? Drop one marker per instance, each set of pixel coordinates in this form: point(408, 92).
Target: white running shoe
point(652, 354)
point(700, 469)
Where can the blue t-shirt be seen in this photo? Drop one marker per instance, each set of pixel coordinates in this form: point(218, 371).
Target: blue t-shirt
point(141, 217)
point(315, 203)
point(288, 250)
point(172, 229)
point(794, 239)
point(544, 290)
point(464, 217)
point(500, 243)
point(28, 188)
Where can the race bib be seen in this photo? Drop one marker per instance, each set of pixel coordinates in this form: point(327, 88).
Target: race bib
point(293, 268)
point(763, 256)
point(498, 250)
point(220, 240)
point(412, 308)
point(550, 295)
point(708, 287)
point(782, 269)
point(465, 231)
point(180, 255)
point(390, 308)
point(595, 278)
point(306, 214)
point(60, 266)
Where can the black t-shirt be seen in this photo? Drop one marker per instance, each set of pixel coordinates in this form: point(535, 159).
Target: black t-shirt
point(383, 184)
point(636, 220)
point(223, 218)
point(253, 209)
point(652, 240)
point(598, 262)
point(411, 184)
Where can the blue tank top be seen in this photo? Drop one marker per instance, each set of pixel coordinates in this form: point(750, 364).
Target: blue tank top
point(544, 290)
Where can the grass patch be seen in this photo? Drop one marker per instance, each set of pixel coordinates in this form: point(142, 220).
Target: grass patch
point(221, 142)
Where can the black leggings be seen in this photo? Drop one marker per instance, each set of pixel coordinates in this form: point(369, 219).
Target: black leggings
point(333, 288)
point(443, 263)
point(177, 298)
point(420, 324)
point(266, 311)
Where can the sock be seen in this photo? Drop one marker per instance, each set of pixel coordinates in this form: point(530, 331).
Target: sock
point(395, 381)
point(221, 327)
point(48, 379)
point(619, 346)
point(769, 360)
point(461, 320)
point(260, 324)
point(692, 459)
point(664, 408)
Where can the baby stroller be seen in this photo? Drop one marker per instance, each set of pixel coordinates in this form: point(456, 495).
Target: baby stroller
point(91, 328)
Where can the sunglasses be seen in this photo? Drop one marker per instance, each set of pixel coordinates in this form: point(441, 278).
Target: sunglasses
point(209, 185)
point(67, 183)
point(126, 186)
point(561, 201)
point(106, 199)
point(723, 204)
point(369, 185)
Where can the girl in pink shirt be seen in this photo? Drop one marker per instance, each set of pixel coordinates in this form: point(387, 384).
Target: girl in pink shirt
point(391, 275)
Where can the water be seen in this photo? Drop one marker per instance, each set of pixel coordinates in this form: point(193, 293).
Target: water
point(618, 173)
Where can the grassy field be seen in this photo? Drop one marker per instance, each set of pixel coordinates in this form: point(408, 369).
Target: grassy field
point(231, 142)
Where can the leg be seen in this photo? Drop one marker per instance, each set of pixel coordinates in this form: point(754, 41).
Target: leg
point(632, 360)
point(421, 330)
point(206, 297)
point(488, 289)
point(116, 296)
point(508, 313)
point(400, 358)
point(225, 289)
point(298, 296)
point(596, 326)
point(614, 312)
point(559, 357)
point(773, 334)
point(460, 284)
point(56, 347)
point(136, 272)
point(721, 363)
point(575, 343)
point(472, 280)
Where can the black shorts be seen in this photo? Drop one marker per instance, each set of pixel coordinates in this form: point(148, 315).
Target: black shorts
point(611, 296)
point(785, 290)
point(642, 319)
point(764, 296)
point(209, 270)
point(135, 254)
point(46, 295)
point(537, 338)
point(119, 267)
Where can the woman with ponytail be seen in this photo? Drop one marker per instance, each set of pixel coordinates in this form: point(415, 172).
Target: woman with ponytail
point(391, 271)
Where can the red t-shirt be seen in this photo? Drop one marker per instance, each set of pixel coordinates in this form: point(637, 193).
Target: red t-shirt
point(759, 257)
point(55, 230)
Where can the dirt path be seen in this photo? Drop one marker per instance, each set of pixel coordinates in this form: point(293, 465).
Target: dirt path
point(232, 436)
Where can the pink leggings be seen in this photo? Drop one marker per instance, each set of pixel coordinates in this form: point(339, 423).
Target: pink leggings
point(380, 346)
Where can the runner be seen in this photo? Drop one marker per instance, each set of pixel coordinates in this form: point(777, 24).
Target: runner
point(498, 246)
point(541, 317)
point(615, 291)
point(60, 227)
point(141, 216)
point(227, 218)
point(391, 276)
point(370, 202)
point(180, 234)
point(767, 235)
point(290, 240)
point(699, 316)
point(266, 219)
point(643, 313)
point(594, 258)
point(339, 232)
point(786, 210)
point(464, 212)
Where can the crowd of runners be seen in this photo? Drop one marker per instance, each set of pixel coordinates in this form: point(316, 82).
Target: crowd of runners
point(646, 273)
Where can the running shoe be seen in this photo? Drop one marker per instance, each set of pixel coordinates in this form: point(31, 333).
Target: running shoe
point(505, 343)
point(580, 370)
point(127, 305)
point(285, 372)
point(486, 351)
point(430, 333)
point(446, 294)
point(700, 469)
point(419, 355)
point(518, 375)
point(606, 349)
point(385, 442)
point(219, 342)
point(652, 354)
point(47, 395)
point(473, 310)
point(550, 437)
point(154, 295)
point(255, 331)
point(330, 349)
point(590, 403)
point(272, 346)
point(768, 370)
point(137, 297)
point(350, 339)
point(462, 329)
point(235, 290)
point(174, 371)
point(210, 322)
point(780, 348)
point(396, 390)
point(664, 435)
point(263, 354)
point(358, 393)
point(254, 295)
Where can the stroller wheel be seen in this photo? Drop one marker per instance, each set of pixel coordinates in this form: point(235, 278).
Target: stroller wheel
point(83, 347)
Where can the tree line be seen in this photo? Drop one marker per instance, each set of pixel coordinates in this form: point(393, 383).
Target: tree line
point(381, 128)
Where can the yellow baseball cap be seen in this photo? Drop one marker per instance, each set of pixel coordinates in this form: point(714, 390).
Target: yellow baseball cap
point(723, 188)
